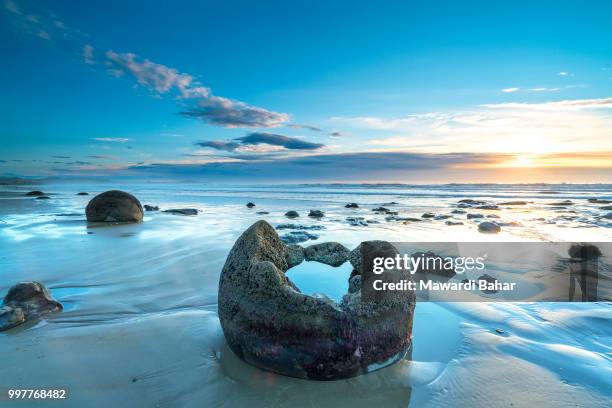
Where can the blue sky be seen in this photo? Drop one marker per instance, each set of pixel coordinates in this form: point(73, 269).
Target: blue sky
point(372, 91)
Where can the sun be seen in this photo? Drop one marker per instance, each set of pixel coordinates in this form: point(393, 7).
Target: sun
point(522, 161)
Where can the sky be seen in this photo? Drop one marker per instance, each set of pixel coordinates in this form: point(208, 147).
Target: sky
point(305, 91)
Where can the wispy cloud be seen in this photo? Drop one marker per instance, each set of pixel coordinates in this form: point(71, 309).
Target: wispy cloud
point(510, 90)
point(88, 54)
point(543, 89)
point(219, 145)
point(561, 126)
point(572, 104)
point(196, 100)
point(111, 139)
point(103, 157)
point(308, 127)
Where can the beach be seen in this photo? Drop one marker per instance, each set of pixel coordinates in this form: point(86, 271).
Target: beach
point(140, 327)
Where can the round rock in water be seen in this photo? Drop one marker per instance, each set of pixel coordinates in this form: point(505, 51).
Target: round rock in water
point(114, 206)
point(35, 193)
point(270, 324)
point(26, 301)
point(489, 227)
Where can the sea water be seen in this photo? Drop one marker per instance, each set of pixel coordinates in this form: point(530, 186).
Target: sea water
point(140, 325)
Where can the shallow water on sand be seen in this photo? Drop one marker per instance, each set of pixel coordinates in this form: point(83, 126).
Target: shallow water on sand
point(140, 327)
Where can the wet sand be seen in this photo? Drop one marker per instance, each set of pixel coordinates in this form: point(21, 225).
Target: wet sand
point(140, 327)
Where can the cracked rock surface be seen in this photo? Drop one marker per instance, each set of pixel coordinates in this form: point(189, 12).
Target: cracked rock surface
point(270, 324)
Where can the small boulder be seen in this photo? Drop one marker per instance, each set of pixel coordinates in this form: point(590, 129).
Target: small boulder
point(469, 201)
point(489, 279)
point(487, 207)
point(292, 214)
point(351, 205)
point(148, 207)
point(492, 216)
point(330, 253)
point(562, 203)
point(262, 212)
point(489, 227)
point(182, 211)
point(114, 206)
point(357, 221)
point(24, 302)
point(381, 210)
point(513, 203)
point(250, 205)
point(316, 214)
point(35, 193)
point(43, 198)
point(599, 201)
point(606, 207)
point(82, 193)
point(428, 215)
point(453, 223)
point(299, 227)
point(458, 212)
point(472, 216)
point(295, 237)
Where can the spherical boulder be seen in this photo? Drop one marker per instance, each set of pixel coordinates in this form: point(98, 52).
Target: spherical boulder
point(489, 227)
point(35, 193)
point(114, 206)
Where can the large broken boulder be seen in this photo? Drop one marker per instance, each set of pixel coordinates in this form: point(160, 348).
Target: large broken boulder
point(270, 324)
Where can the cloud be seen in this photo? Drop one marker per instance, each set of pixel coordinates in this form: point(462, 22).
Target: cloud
point(566, 126)
point(565, 74)
point(153, 76)
point(336, 134)
point(88, 54)
point(61, 157)
point(543, 89)
point(574, 104)
point(45, 27)
point(229, 113)
point(197, 100)
point(308, 127)
point(219, 145)
point(256, 138)
point(510, 90)
point(111, 139)
point(349, 166)
point(205, 106)
point(102, 156)
point(261, 142)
